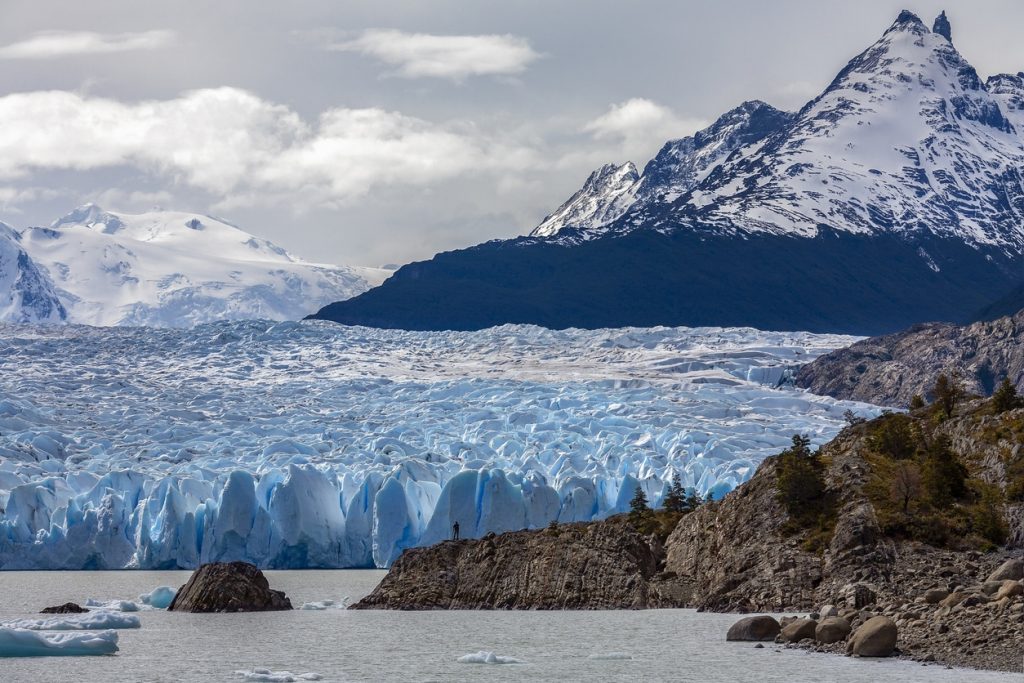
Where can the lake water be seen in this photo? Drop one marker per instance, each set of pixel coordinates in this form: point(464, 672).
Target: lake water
point(665, 645)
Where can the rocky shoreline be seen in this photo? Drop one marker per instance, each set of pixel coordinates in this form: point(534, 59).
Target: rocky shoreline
point(958, 601)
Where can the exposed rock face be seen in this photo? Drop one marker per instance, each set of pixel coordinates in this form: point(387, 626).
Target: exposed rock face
point(875, 638)
point(66, 608)
point(735, 555)
point(754, 629)
point(228, 587)
point(602, 565)
point(889, 370)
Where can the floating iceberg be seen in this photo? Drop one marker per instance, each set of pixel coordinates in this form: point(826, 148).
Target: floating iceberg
point(268, 676)
point(159, 598)
point(25, 643)
point(112, 605)
point(321, 605)
point(485, 657)
point(302, 445)
point(91, 621)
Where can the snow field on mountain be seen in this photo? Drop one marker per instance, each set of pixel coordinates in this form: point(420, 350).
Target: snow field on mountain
point(317, 445)
point(161, 268)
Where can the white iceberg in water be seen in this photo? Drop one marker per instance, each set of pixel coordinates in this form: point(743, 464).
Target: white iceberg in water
point(321, 605)
point(160, 598)
point(113, 605)
point(15, 642)
point(93, 621)
point(485, 657)
point(268, 676)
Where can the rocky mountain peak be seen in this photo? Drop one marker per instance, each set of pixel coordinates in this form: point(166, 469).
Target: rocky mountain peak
point(943, 27)
point(909, 22)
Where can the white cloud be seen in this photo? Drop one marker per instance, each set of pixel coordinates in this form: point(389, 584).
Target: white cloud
point(631, 130)
point(416, 55)
point(242, 148)
point(52, 44)
point(639, 117)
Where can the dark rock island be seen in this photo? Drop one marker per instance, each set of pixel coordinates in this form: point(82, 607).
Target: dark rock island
point(228, 587)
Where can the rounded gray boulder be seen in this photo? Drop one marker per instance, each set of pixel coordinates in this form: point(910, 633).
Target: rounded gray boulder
point(832, 630)
point(759, 628)
point(876, 637)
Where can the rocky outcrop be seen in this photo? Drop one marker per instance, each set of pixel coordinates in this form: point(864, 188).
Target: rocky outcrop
point(228, 587)
point(890, 370)
point(601, 565)
point(738, 555)
point(66, 608)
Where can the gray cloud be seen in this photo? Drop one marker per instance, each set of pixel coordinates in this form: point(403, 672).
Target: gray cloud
point(252, 119)
point(54, 44)
point(417, 55)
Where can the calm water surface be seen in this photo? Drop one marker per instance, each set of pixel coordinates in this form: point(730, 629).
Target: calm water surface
point(666, 645)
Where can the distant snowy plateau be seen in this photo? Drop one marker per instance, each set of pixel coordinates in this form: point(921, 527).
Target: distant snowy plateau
point(161, 268)
point(315, 445)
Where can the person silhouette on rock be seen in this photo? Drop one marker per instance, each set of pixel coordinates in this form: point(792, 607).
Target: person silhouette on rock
point(455, 531)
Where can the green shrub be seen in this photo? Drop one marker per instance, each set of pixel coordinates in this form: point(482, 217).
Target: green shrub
point(948, 393)
point(1005, 397)
point(943, 475)
point(894, 436)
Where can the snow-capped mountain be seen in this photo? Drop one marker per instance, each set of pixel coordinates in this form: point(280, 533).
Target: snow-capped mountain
point(606, 195)
point(166, 268)
point(26, 293)
point(907, 139)
point(894, 197)
point(612, 190)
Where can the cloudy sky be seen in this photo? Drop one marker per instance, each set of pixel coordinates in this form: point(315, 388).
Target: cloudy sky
point(382, 132)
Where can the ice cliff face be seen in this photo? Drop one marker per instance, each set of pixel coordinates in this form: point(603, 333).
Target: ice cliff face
point(26, 293)
point(309, 445)
point(168, 268)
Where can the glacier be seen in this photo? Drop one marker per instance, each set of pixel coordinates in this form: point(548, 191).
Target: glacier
point(307, 444)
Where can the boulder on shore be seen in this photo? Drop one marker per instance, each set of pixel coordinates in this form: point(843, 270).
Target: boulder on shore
point(1011, 570)
point(66, 608)
point(876, 637)
point(757, 628)
point(832, 630)
point(799, 629)
point(228, 587)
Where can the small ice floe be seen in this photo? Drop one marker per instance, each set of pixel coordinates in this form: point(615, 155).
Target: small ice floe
point(326, 604)
point(268, 676)
point(114, 605)
point(159, 598)
point(484, 657)
point(611, 656)
point(15, 642)
point(91, 621)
